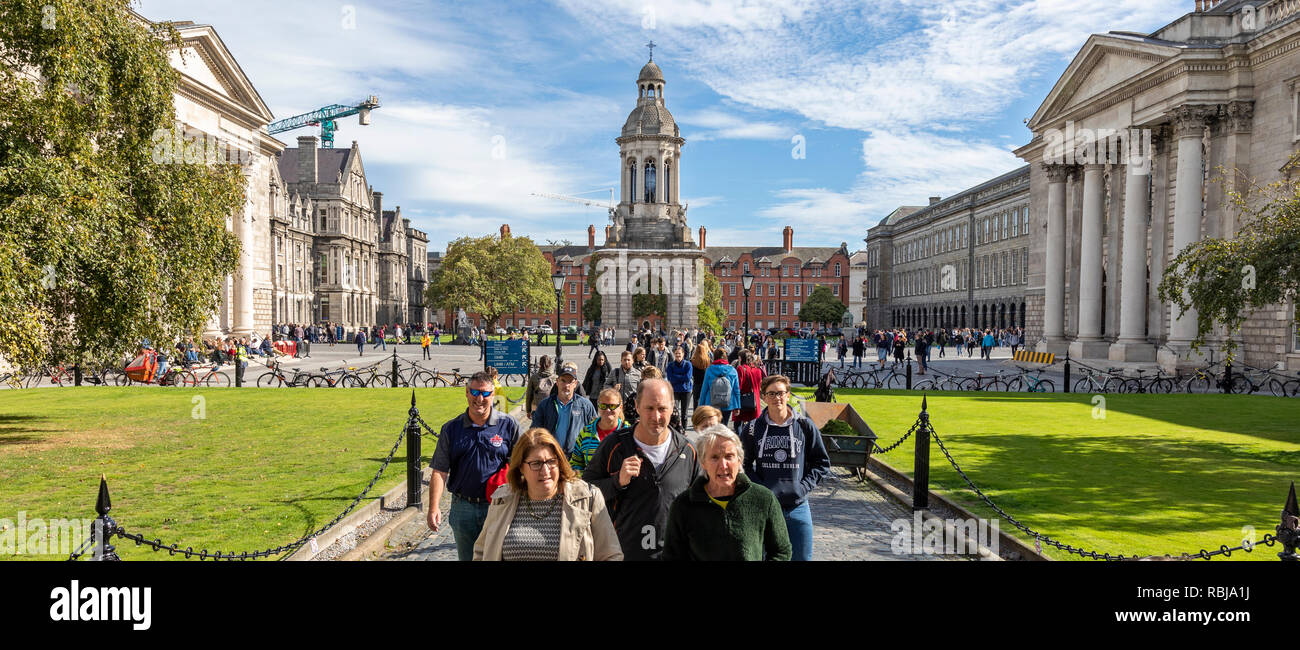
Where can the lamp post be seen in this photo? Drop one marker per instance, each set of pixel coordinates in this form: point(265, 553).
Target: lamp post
point(558, 281)
point(746, 281)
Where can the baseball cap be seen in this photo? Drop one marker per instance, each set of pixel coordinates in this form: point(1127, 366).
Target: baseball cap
point(569, 368)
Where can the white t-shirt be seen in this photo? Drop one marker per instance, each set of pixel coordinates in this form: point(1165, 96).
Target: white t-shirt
point(656, 453)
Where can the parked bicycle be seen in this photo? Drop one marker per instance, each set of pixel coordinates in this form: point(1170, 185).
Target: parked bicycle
point(277, 377)
point(208, 376)
point(1109, 381)
point(1159, 383)
point(1031, 381)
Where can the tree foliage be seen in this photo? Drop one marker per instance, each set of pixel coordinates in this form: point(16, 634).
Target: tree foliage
point(711, 314)
point(99, 244)
point(822, 307)
point(492, 276)
point(1225, 280)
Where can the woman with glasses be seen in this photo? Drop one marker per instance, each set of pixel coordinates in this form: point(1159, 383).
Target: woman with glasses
point(783, 451)
point(545, 512)
point(725, 516)
point(609, 406)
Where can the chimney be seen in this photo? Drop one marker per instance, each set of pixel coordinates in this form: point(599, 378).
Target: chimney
point(591, 237)
point(505, 230)
point(787, 239)
point(306, 159)
point(703, 233)
point(935, 199)
point(378, 201)
point(607, 234)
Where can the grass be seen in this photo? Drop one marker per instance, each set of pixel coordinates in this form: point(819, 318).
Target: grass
point(1157, 474)
point(260, 469)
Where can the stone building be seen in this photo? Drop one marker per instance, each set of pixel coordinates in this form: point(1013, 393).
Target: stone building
point(1215, 94)
point(394, 264)
point(417, 273)
point(957, 262)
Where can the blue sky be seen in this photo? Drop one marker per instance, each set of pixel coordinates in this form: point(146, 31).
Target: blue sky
point(896, 101)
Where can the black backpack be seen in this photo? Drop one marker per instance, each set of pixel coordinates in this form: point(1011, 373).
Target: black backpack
point(825, 392)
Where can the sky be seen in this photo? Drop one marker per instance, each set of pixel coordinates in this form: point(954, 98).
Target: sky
point(823, 115)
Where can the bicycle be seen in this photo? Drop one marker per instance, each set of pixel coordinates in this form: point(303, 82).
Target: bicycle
point(211, 377)
point(175, 377)
point(332, 378)
point(276, 377)
point(976, 383)
point(1282, 386)
point(1031, 381)
point(453, 378)
point(1092, 383)
point(1160, 383)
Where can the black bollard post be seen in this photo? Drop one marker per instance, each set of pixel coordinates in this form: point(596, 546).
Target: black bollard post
point(1067, 371)
point(921, 462)
point(1227, 378)
point(909, 370)
point(104, 528)
point(239, 373)
point(76, 375)
point(413, 483)
point(394, 377)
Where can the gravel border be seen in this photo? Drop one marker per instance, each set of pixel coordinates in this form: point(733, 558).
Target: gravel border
point(365, 529)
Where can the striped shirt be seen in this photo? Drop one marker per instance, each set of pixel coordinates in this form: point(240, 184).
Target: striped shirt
point(530, 539)
point(585, 447)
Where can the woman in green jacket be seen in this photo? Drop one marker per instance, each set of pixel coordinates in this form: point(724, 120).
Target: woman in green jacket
point(724, 515)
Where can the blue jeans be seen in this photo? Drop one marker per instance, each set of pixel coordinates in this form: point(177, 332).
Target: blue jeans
point(798, 522)
point(466, 521)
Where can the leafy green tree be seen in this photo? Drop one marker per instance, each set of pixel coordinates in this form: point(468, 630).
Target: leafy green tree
point(492, 276)
point(822, 307)
point(645, 304)
point(100, 245)
point(711, 314)
point(1227, 279)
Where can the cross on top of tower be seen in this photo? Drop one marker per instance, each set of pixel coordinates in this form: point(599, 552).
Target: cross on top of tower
point(651, 45)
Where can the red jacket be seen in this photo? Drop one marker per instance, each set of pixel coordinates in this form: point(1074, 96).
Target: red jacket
point(751, 379)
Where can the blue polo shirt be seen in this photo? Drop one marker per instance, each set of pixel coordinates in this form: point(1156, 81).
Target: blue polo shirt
point(471, 454)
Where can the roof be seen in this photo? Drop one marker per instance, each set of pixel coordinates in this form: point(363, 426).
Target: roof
point(650, 72)
point(650, 118)
point(330, 164)
point(771, 254)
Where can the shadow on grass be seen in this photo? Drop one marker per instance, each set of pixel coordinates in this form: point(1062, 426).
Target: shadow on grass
point(15, 429)
point(1119, 484)
point(340, 494)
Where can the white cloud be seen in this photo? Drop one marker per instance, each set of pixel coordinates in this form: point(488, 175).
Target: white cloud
point(719, 125)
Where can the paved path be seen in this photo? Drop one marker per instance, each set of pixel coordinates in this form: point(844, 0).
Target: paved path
point(851, 522)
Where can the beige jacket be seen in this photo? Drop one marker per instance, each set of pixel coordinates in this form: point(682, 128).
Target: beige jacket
point(586, 531)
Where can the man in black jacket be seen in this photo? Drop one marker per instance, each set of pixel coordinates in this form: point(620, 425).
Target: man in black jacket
point(641, 469)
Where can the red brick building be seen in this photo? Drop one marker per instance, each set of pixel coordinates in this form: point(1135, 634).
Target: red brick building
point(784, 277)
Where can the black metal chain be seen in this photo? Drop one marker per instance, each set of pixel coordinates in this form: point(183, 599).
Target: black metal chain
point(84, 547)
point(885, 450)
point(203, 554)
point(1040, 538)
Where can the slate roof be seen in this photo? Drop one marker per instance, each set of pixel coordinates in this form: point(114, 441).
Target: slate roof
point(330, 163)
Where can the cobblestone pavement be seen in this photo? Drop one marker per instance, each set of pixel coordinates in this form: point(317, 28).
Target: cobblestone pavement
point(851, 522)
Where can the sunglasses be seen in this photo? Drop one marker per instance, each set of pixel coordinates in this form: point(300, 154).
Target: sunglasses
point(480, 393)
point(608, 407)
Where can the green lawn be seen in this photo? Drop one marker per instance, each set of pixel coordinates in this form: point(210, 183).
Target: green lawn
point(263, 467)
point(1157, 474)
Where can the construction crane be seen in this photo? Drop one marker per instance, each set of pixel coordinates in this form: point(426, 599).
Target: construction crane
point(325, 117)
point(574, 199)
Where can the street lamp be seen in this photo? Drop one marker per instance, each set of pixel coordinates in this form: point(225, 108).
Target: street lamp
point(558, 281)
point(746, 281)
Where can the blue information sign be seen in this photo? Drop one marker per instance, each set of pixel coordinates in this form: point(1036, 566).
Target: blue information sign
point(509, 356)
point(801, 349)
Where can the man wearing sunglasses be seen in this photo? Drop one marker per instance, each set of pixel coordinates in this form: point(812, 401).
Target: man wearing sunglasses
point(471, 448)
point(565, 413)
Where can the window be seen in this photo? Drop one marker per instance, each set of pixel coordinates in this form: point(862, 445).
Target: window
point(837, 269)
point(573, 287)
point(586, 289)
point(573, 306)
point(1024, 268)
point(731, 306)
point(1024, 221)
point(771, 289)
point(797, 287)
point(795, 309)
point(986, 232)
point(733, 288)
point(785, 308)
point(835, 290)
point(771, 308)
point(1003, 282)
point(785, 289)
point(1004, 225)
point(746, 267)
point(785, 271)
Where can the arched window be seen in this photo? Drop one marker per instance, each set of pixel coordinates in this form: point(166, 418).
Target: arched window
point(649, 182)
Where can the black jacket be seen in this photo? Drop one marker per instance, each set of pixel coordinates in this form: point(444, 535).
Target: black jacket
point(645, 501)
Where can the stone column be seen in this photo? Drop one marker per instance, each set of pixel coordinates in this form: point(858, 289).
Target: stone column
point(1189, 130)
point(638, 182)
point(1132, 343)
point(677, 179)
point(243, 298)
point(661, 173)
point(1054, 271)
point(1089, 293)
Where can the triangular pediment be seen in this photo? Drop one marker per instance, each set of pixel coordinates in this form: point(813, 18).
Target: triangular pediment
point(1105, 62)
point(207, 66)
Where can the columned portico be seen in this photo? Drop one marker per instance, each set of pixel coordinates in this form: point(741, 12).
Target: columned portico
point(1189, 123)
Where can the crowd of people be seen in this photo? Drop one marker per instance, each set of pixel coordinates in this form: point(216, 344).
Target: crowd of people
point(926, 343)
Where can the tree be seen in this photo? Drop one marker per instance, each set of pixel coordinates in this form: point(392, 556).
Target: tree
point(492, 276)
point(100, 245)
point(1225, 280)
point(711, 314)
point(822, 307)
